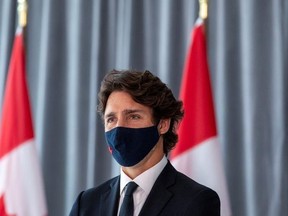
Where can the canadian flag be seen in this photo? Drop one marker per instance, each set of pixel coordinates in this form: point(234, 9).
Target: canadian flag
point(197, 153)
point(21, 186)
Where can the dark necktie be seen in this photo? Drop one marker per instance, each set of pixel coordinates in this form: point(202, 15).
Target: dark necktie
point(127, 207)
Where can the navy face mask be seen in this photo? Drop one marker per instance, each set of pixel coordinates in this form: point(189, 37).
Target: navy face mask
point(130, 145)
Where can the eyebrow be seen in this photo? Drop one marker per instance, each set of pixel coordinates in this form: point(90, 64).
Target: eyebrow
point(109, 115)
point(130, 111)
point(126, 112)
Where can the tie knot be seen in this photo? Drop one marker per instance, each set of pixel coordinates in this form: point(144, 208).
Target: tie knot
point(131, 187)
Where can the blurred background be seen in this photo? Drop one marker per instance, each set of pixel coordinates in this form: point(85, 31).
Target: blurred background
point(72, 44)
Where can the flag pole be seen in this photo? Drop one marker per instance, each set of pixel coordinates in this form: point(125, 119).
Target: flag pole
point(22, 13)
point(203, 13)
point(203, 9)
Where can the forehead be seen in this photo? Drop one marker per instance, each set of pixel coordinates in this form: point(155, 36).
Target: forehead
point(119, 101)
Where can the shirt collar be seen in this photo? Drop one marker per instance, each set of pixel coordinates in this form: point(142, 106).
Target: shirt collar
point(146, 179)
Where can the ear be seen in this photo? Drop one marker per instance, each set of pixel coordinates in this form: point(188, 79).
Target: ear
point(163, 126)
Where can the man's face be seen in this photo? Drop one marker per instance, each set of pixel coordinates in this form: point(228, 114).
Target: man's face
point(122, 111)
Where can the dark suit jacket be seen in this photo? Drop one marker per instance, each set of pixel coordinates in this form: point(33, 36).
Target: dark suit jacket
point(172, 194)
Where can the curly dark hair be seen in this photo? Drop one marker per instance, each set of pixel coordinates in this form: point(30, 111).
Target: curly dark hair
point(148, 90)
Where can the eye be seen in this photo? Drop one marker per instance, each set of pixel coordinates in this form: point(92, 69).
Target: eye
point(134, 117)
point(110, 120)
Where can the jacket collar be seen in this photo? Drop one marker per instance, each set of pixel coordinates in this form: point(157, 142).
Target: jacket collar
point(160, 193)
point(110, 199)
point(155, 201)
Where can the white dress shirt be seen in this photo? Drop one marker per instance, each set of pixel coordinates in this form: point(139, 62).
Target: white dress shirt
point(145, 182)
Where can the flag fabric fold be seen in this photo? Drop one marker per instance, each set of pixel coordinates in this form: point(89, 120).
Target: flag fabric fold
point(197, 153)
point(21, 183)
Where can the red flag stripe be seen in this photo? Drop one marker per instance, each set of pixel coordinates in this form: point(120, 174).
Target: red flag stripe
point(21, 187)
point(197, 154)
point(16, 124)
point(199, 120)
point(2, 208)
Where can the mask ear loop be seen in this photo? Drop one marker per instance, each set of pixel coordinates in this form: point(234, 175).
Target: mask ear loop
point(161, 124)
point(158, 127)
point(157, 123)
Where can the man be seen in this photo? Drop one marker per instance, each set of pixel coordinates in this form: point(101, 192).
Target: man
point(140, 116)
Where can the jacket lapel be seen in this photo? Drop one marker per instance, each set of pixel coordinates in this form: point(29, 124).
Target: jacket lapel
point(110, 199)
point(160, 194)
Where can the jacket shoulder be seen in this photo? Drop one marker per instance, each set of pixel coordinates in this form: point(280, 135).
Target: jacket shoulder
point(88, 201)
point(96, 191)
point(190, 196)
